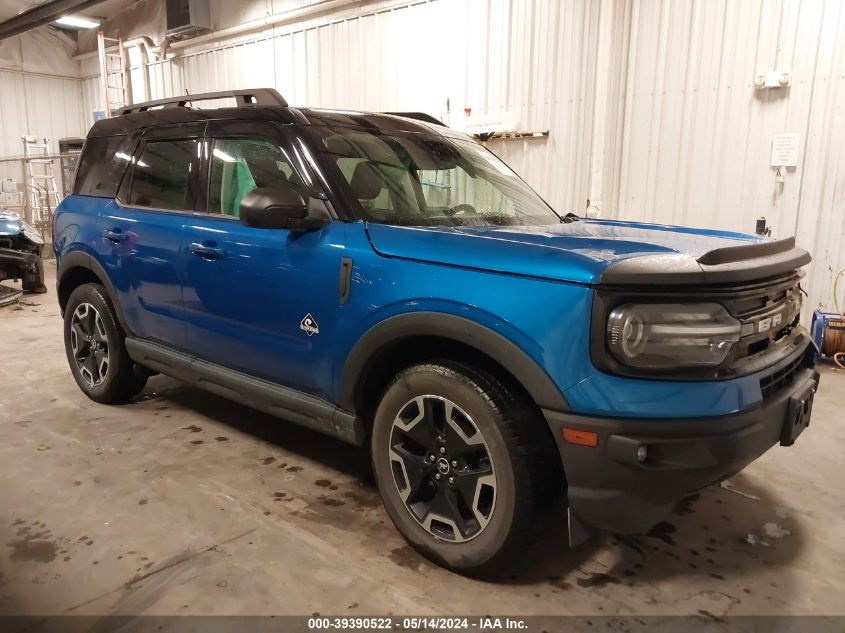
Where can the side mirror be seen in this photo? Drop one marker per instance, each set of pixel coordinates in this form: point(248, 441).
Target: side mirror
point(279, 207)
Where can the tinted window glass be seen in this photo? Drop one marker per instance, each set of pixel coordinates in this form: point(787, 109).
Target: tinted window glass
point(239, 165)
point(101, 167)
point(160, 178)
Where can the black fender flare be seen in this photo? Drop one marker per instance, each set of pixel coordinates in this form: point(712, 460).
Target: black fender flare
point(81, 259)
point(378, 338)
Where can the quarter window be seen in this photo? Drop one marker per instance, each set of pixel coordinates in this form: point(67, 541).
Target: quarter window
point(239, 165)
point(161, 173)
point(101, 166)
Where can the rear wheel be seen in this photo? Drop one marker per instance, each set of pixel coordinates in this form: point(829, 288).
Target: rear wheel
point(94, 344)
point(464, 466)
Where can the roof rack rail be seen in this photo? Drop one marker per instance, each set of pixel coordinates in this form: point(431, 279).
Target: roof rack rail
point(419, 116)
point(256, 96)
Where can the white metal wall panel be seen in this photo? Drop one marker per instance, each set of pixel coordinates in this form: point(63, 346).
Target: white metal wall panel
point(13, 107)
point(39, 93)
point(695, 140)
point(820, 204)
point(225, 13)
point(92, 99)
point(39, 105)
point(529, 62)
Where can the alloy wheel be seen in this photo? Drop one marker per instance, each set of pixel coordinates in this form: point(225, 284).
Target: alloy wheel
point(442, 468)
point(89, 344)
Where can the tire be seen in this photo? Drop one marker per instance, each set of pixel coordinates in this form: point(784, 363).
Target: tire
point(33, 280)
point(92, 332)
point(492, 430)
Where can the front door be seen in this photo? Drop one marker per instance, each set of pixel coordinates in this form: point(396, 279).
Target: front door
point(260, 301)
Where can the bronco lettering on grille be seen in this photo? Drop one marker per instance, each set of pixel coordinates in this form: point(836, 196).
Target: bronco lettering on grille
point(779, 317)
point(768, 323)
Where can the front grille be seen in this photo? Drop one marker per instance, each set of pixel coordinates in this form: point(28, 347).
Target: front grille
point(781, 378)
point(768, 310)
point(769, 315)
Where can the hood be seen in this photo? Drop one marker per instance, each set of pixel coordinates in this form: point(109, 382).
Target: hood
point(577, 251)
point(10, 223)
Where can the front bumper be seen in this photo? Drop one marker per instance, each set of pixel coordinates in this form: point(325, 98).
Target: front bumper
point(23, 259)
point(610, 488)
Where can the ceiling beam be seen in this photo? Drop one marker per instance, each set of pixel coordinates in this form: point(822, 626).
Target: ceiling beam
point(41, 14)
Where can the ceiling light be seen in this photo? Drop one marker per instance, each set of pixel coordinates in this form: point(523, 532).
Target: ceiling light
point(78, 21)
point(226, 158)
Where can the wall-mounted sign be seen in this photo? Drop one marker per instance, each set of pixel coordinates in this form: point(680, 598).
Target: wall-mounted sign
point(785, 150)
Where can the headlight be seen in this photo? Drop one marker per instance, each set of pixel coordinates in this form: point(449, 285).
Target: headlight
point(668, 335)
point(31, 233)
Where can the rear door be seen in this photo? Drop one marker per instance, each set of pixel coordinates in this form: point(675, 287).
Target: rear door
point(261, 301)
point(142, 231)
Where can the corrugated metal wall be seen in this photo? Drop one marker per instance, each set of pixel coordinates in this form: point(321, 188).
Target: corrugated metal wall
point(529, 62)
point(685, 137)
point(695, 140)
point(40, 93)
point(39, 105)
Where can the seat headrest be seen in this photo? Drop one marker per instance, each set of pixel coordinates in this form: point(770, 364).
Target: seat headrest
point(366, 182)
point(265, 170)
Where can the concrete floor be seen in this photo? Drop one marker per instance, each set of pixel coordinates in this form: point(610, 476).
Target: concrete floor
point(184, 503)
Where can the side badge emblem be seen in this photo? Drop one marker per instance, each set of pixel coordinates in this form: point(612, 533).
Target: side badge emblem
point(309, 325)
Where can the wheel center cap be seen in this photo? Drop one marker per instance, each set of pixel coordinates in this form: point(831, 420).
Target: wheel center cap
point(443, 466)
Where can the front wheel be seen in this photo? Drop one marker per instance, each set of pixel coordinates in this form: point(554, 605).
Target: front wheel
point(32, 279)
point(464, 466)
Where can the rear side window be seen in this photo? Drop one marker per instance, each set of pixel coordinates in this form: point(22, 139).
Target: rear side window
point(101, 167)
point(160, 177)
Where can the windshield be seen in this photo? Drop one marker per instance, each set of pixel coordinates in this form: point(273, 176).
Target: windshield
point(422, 180)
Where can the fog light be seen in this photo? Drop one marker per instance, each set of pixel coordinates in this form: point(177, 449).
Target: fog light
point(642, 454)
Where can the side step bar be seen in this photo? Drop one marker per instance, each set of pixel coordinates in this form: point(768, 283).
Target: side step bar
point(302, 408)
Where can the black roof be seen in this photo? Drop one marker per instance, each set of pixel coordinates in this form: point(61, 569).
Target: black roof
point(383, 122)
point(126, 123)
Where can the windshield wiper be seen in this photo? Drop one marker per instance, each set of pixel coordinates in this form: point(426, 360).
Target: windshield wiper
point(569, 218)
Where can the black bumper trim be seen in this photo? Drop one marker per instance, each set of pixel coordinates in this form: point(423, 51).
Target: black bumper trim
point(610, 488)
point(20, 258)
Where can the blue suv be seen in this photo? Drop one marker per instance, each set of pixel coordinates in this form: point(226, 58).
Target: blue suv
point(388, 281)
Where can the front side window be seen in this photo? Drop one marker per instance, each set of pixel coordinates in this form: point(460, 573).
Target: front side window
point(161, 173)
point(419, 180)
point(239, 165)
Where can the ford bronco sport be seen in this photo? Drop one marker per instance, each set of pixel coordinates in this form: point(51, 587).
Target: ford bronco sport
point(388, 281)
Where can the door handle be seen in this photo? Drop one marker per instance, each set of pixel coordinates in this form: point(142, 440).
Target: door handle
point(114, 235)
point(207, 251)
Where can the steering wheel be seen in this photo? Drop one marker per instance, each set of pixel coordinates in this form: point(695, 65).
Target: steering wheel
point(463, 208)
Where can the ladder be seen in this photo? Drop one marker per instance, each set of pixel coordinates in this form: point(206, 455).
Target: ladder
point(114, 82)
point(41, 181)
